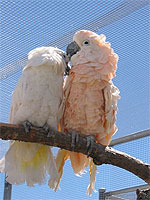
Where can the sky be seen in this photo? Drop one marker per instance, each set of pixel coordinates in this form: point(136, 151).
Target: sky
point(26, 25)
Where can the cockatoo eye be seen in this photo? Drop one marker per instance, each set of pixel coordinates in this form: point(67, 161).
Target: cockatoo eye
point(86, 43)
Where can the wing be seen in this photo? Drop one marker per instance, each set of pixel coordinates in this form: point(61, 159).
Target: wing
point(16, 101)
point(66, 90)
point(63, 155)
point(111, 96)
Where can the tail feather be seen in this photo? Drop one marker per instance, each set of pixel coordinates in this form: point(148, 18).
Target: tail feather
point(92, 172)
point(21, 166)
point(62, 156)
point(79, 162)
point(53, 171)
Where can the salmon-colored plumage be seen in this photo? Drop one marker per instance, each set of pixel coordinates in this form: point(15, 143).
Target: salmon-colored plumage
point(91, 97)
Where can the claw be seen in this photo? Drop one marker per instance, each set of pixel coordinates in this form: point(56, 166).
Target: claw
point(75, 139)
point(90, 143)
point(46, 129)
point(27, 125)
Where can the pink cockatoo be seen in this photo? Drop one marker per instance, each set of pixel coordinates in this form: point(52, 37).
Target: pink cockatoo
point(91, 97)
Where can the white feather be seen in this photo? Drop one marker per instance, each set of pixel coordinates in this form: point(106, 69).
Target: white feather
point(38, 98)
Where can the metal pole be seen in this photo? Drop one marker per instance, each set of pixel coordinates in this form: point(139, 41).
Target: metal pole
point(7, 190)
point(127, 190)
point(102, 193)
point(131, 137)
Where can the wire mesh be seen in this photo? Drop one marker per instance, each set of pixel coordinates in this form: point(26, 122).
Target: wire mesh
point(114, 178)
point(123, 9)
point(126, 194)
point(26, 25)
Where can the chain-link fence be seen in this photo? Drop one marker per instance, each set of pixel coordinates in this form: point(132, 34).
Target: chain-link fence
point(127, 193)
point(26, 25)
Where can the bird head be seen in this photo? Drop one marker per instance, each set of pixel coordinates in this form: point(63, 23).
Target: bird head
point(92, 49)
point(52, 57)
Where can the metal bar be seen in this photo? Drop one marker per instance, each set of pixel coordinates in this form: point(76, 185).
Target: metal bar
point(126, 190)
point(7, 190)
point(102, 193)
point(130, 137)
point(116, 198)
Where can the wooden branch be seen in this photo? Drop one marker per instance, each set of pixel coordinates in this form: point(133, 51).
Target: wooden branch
point(100, 154)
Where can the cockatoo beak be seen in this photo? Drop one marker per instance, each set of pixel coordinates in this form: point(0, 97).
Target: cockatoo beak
point(67, 69)
point(66, 59)
point(72, 49)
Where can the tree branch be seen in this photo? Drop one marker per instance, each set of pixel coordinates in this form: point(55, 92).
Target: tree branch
point(100, 154)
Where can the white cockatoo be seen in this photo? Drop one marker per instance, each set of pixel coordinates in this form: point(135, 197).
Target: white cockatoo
point(37, 99)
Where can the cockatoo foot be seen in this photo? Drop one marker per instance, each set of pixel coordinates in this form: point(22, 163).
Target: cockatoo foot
point(75, 139)
point(90, 143)
point(27, 126)
point(46, 129)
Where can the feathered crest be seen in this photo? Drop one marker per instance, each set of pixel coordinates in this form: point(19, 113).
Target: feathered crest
point(98, 53)
point(51, 56)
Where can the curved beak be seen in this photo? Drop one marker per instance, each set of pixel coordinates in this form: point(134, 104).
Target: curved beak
point(67, 69)
point(72, 49)
point(66, 59)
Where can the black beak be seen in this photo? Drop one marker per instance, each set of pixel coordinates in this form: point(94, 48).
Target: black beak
point(66, 59)
point(67, 70)
point(72, 49)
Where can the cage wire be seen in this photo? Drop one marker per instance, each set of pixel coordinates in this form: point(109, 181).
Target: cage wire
point(140, 149)
point(124, 194)
point(26, 25)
